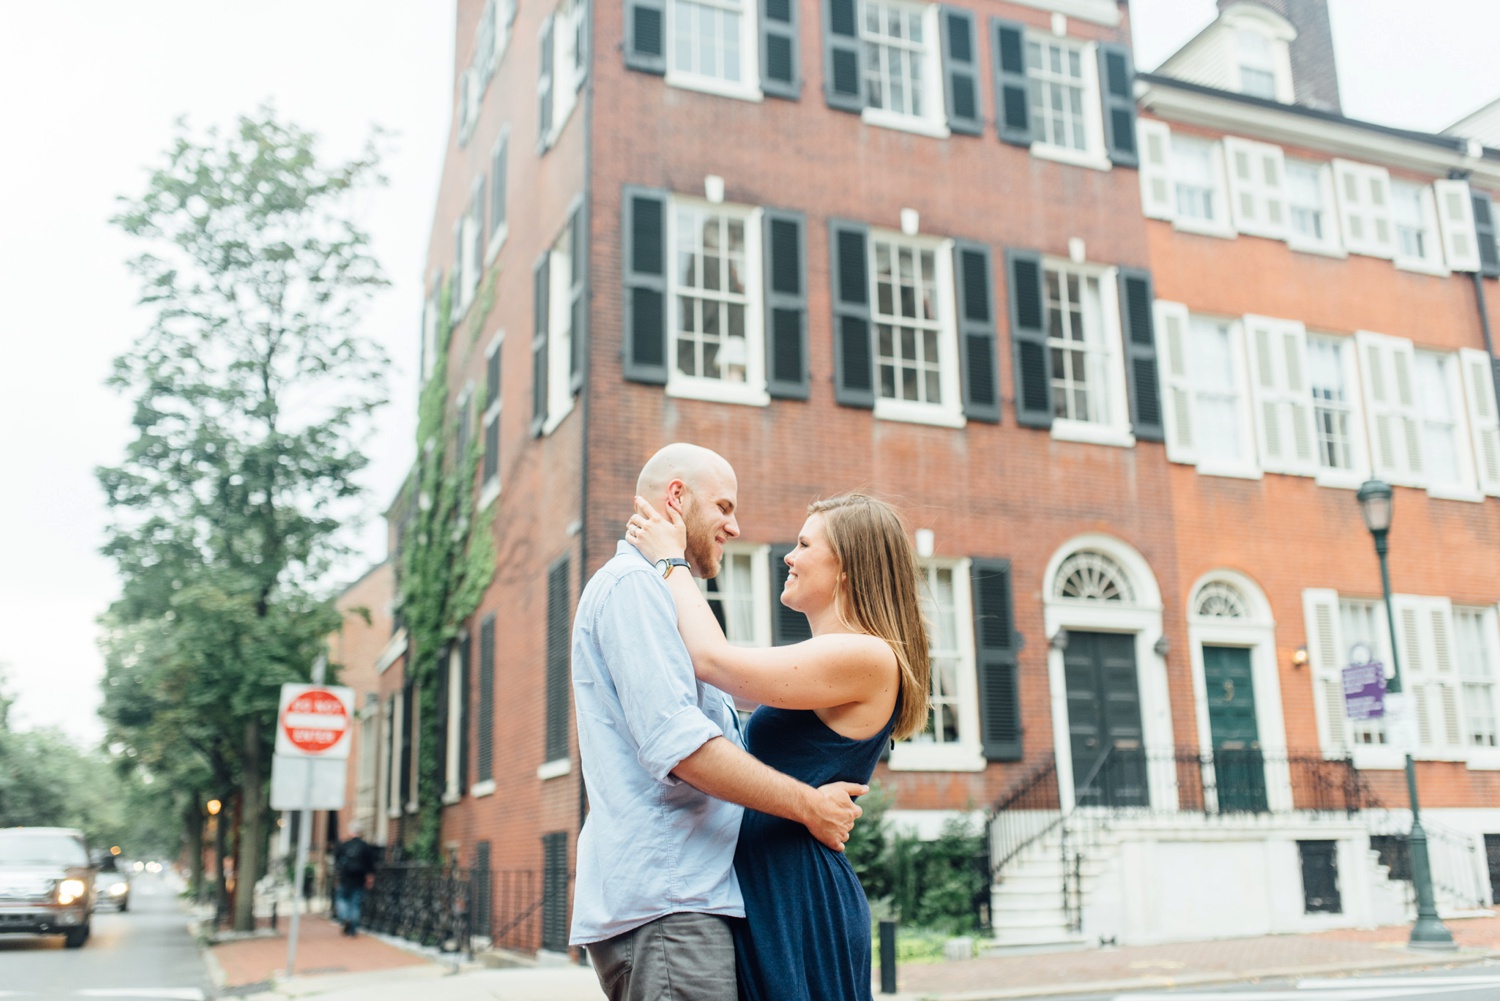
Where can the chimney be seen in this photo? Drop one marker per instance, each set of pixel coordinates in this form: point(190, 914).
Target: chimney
point(1315, 79)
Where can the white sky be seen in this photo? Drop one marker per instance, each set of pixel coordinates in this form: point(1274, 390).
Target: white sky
point(91, 89)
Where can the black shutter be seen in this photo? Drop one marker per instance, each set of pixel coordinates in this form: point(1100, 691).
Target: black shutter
point(484, 743)
point(407, 726)
point(542, 293)
point(1484, 230)
point(1028, 337)
point(843, 74)
point(392, 749)
point(498, 169)
point(645, 232)
point(1117, 90)
point(545, 84)
point(1140, 354)
point(646, 35)
point(976, 331)
point(995, 647)
point(779, 60)
point(465, 421)
point(555, 891)
point(558, 681)
point(853, 346)
point(483, 891)
point(786, 304)
point(465, 714)
point(578, 294)
point(440, 728)
point(491, 449)
point(492, 377)
point(787, 625)
point(1012, 92)
point(961, 70)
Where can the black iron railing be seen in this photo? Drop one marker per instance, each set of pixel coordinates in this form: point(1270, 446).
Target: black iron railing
point(1455, 860)
point(429, 904)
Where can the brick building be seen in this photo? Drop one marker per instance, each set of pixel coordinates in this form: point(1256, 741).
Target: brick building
point(929, 251)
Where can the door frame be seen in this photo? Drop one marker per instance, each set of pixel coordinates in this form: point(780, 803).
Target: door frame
point(1256, 633)
point(1143, 620)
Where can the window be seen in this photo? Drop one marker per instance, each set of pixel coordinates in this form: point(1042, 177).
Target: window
point(1443, 435)
point(490, 468)
point(454, 744)
point(468, 234)
point(901, 63)
point(1414, 212)
point(1059, 92)
point(916, 356)
point(1364, 208)
point(499, 168)
point(714, 283)
point(1195, 170)
point(564, 64)
point(1076, 337)
point(1363, 623)
point(712, 45)
point(1092, 576)
point(1476, 659)
point(1220, 415)
point(1334, 418)
point(430, 330)
point(950, 741)
point(739, 595)
point(1309, 201)
point(559, 329)
point(1257, 64)
point(1391, 408)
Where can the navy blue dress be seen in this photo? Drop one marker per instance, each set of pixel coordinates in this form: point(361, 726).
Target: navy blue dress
point(806, 933)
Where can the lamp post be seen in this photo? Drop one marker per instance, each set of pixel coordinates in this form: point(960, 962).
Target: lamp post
point(1375, 505)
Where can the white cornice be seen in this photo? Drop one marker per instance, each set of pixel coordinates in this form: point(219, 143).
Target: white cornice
point(1106, 12)
point(1286, 127)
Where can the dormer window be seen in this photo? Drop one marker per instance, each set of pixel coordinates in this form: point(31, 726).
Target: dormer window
point(1257, 64)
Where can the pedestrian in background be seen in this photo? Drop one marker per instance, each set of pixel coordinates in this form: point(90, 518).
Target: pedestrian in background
point(354, 864)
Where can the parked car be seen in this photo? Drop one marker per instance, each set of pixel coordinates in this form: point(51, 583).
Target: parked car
point(46, 883)
point(112, 882)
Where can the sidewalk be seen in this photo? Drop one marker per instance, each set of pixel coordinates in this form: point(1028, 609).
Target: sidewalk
point(371, 968)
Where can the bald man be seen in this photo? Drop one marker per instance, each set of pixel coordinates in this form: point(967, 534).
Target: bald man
point(664, 763)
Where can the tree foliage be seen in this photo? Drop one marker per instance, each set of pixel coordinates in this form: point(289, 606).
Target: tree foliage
point(252, 394)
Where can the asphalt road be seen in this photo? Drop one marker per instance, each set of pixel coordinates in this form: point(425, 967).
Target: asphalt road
point(1478, 982)
point(144, 954)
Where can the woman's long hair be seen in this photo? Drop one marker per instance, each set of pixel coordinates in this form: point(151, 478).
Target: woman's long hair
point(877, 592)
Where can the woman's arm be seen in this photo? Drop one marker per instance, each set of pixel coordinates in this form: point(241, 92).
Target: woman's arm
point(825, 671)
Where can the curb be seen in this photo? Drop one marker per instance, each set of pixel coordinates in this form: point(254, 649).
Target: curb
point(1460, 958)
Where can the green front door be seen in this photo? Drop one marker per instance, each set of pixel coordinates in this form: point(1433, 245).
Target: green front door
point(1239, 766)
point(1104, 720)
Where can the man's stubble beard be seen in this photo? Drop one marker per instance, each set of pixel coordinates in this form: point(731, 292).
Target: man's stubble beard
point(700, 549)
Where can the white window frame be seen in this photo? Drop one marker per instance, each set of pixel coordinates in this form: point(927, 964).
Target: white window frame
point(934, 121)
point(559, 331)
point(966, 754)
point(489, 490)
point(1484, 417)
point(948, 413)
point(469, 90)
point(499, 228)
point(1431, 260)
point(1178, 330)
point(454, 744)
point(1480, 756)
point(745, 89)
point(1465, 486)
point(1257, 187)
point(1364, 208)
point(1327, 208)
point(759, 559)
point(1383, 361)
point(1220, 225)
point(430, 310)
point(751, 392)
point(1359, 455)
point(1110, 344)
point(1094, 154)
point(1328, 653)
point(1455, 209)
point(1241, 63)
point(569, 63)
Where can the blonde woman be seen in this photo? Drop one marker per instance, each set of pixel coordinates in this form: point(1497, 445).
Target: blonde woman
point(828, 707)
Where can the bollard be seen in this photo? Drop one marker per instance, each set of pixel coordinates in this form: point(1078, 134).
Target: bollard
point(887, 957)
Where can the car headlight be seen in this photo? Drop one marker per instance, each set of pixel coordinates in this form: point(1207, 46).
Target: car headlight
point(70, 890)
point(118, 889)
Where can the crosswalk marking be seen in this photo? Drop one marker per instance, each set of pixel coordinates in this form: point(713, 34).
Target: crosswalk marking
point(161, 993)
point(1326, 983)
point(1347, 991)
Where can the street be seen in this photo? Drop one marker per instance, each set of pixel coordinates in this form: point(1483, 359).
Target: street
point(1466, 983)
point(145, 954)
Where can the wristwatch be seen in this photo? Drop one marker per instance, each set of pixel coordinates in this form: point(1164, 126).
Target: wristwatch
point(665, 565)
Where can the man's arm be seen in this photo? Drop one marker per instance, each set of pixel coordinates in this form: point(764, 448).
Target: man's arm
point(723, 771)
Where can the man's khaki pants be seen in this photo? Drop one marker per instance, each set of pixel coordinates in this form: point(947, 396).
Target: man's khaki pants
point(680, 957)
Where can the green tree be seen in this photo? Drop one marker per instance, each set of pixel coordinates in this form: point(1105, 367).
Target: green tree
point(252, 391)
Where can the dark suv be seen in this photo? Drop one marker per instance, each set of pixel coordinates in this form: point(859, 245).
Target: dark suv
point(46, 883)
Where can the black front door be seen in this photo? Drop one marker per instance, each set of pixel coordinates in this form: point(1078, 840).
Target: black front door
point(1104, 720)
point(1239, 766)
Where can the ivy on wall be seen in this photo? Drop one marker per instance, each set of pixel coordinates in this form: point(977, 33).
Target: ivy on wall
point(447, 561)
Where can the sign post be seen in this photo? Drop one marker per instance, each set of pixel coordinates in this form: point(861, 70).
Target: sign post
point(1365, 696)
point(313, 727)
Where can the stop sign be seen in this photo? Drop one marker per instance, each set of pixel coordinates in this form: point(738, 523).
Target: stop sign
point(314, 721)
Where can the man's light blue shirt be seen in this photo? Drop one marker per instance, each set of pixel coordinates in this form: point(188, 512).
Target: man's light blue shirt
point(652, 845)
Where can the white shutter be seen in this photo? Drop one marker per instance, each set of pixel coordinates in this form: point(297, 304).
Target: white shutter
point(1364, 197)
point(459, 286)
point(1455, 210)
point(1484, 422)
point(1424, 628)
point(1154, 140)
point(1388, 369)
point(1320, 610)
point(1172, 348)
point(1283, 400)
point(1257, 187)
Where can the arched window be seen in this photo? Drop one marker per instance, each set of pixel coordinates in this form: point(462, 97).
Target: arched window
point(1221, 600)
point(1092, 576)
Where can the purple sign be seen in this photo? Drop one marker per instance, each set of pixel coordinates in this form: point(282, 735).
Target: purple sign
point(1364, 692)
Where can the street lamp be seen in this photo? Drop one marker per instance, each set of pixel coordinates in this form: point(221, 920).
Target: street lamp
point(1375, 506)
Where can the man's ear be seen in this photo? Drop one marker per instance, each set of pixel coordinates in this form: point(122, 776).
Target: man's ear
point(675, 490)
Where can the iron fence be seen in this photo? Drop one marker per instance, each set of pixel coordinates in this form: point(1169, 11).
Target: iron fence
point(429, 904)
